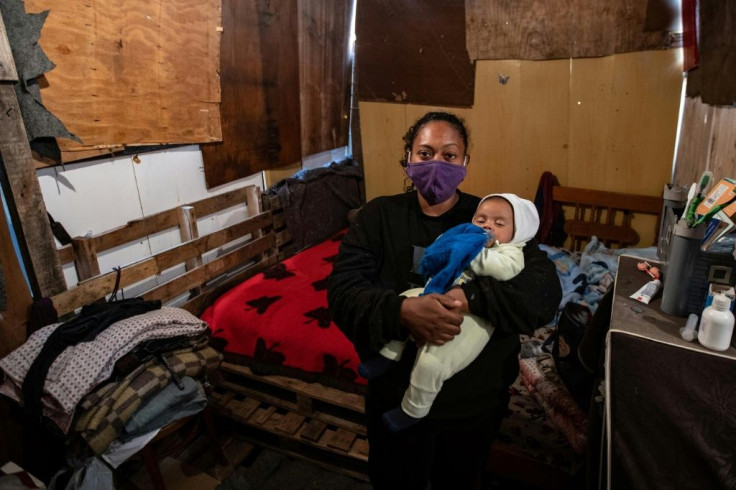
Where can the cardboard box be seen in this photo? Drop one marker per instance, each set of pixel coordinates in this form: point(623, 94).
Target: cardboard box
point(721, 193)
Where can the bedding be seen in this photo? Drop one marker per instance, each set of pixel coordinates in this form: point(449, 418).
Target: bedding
point(277, 322)
point(585, 278)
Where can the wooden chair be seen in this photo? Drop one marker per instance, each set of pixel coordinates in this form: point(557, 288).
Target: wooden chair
point(607, 215)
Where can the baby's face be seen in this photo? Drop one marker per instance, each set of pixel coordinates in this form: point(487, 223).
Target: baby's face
point(497, 215)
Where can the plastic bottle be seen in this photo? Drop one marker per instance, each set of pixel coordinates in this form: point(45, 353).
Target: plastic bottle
point(689, 332)
point(716, 324)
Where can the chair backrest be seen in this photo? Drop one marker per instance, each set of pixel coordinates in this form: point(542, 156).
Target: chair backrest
point(604, 214)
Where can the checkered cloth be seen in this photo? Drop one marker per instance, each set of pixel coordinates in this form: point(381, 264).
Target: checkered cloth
point(104, 412)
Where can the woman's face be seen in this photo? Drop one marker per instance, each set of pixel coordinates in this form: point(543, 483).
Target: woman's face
point(438, 140)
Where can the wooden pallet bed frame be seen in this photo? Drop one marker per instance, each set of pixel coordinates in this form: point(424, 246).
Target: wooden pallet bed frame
point(307, 420)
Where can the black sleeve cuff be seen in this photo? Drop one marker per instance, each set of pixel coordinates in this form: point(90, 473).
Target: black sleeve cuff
point(474, 295)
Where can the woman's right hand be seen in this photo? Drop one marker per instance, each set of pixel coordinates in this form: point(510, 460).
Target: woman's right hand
point(433, 318)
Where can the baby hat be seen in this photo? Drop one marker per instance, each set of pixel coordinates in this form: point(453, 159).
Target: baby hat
point(526, 218)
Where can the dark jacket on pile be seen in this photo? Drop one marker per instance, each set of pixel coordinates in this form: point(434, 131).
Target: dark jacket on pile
point(92, 320)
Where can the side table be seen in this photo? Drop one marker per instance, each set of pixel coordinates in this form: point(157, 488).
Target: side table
point(670, 404)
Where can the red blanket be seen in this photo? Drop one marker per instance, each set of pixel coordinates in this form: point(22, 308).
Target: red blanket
point(277, 322)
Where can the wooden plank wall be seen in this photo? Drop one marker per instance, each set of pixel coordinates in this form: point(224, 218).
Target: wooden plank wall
point(260, 91)
point(714, 79)
point(603, 123)
point(707, 142)
point(286, 86)
point(324, 70)
point(131, 72)
point(543, 30)
point(413, 51)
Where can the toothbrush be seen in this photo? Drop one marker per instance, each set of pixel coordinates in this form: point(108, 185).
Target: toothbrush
point(690, 197)
point(693, 205)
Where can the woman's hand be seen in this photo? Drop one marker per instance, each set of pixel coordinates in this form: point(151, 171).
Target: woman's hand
point(433, 318)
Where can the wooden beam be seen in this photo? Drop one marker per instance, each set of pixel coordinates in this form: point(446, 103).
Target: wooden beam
point(14, 317)
point(22, 187)
point(85, 258)
point(8, 72)
point(155, 223)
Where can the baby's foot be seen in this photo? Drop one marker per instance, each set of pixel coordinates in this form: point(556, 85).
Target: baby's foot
point(375, 367)
point(397, 420)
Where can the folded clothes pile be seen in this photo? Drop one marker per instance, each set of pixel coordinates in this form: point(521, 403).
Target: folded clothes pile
point(115, 372)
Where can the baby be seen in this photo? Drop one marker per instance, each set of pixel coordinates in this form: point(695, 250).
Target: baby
point(490, 246)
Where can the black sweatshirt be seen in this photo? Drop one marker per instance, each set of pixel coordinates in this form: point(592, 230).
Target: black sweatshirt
point(378, 260)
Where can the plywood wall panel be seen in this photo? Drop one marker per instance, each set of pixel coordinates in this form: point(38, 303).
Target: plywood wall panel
point(494, 123)
point(382, 127)
point(590, 103)
point(544, 113)
point(274, 175)
point(130, 73)
point(603, 123)
point(623, 121)
point(649, 86)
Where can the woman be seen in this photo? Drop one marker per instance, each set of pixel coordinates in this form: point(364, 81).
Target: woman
point(379, 258)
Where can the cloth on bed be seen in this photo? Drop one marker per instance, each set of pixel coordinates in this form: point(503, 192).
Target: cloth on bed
point(541, 380)
point(277, 322)
point(528, 428)
point(587, 276)
point(317, 201)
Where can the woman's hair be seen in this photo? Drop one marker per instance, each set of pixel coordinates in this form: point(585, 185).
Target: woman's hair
point(411, 134)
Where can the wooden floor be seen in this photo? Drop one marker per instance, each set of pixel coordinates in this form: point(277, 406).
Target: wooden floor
point(253, 468)
point(313, 429)
point(250, 467)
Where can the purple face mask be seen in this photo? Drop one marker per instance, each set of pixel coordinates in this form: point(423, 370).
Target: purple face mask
point(436, 180)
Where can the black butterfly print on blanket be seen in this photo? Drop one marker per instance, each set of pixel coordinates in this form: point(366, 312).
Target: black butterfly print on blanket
point(266, 354)
point(320, 285)
point(261, 304)
point(278, 272)
point(337, 370)
point(321, 314)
